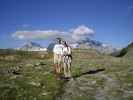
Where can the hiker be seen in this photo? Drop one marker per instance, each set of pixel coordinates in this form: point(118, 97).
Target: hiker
point(58, 54)
point(67, 60)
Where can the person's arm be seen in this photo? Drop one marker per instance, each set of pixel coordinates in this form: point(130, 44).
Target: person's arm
point(69, 50)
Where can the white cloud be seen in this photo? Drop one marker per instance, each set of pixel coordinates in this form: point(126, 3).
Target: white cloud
point(76, 34)
point(37, 34)
point(82, 32)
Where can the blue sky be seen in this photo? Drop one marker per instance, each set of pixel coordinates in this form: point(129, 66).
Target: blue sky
point(111, 20)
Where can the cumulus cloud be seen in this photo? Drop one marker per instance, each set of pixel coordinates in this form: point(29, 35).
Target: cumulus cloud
point(81, 32)
point(75, 34)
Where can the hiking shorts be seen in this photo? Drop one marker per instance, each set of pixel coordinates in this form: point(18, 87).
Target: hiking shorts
point(58, 59)
point(67, 59)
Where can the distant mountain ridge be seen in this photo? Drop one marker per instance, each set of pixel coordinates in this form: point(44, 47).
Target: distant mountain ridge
point(87, 44)
point(51, 46)
point(32, 46)
point(99, 46)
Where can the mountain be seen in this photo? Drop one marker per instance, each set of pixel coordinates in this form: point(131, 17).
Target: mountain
point(127, 51)
point(32, 46)
point(50, 47)
point(87, 44)
point(99, 46)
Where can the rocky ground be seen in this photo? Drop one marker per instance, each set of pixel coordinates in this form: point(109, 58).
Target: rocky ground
point(95, 77)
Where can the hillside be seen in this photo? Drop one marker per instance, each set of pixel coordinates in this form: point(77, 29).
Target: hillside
point(127, 51)
point(99, 77)
point(95, 77)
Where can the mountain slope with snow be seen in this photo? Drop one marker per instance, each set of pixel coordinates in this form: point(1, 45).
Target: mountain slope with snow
point(32, 46)
point(99, 46)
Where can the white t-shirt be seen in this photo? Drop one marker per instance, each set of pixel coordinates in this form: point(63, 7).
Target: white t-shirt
point(58, 49)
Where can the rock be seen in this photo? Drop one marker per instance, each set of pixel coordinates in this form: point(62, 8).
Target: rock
point(13, 77)
point(38, 68)
point(29, 65)
point(46, 73)
point(93, 82)
point(100, 94)
point(45, 93)
point(37, 64)
point(37, 84)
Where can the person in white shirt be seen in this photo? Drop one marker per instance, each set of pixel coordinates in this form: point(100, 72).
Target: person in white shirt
point(67, 60)
point(58, 54)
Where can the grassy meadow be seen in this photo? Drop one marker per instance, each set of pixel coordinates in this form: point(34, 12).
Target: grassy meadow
point(29, 76)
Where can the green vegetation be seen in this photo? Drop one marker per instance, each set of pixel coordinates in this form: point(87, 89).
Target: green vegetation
point(29, 76)
point(128, 51)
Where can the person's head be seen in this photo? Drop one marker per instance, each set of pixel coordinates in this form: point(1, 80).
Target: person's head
point(59, 40)
point(65, 44)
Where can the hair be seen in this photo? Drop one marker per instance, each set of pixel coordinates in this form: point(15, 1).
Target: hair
point(59, 41)
point(65, 43)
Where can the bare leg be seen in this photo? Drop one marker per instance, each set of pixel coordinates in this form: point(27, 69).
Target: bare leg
point(55, 68)
point(60, 68)
point(69, 69)
point(65, 69)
